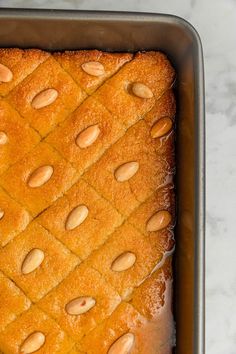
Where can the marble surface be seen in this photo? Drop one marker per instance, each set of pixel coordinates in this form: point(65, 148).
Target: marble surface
point(216, 23)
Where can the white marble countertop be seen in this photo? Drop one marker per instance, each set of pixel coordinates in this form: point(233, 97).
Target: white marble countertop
point(216, 24)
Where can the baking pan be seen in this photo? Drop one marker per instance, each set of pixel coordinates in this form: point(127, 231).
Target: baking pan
point(110, 31)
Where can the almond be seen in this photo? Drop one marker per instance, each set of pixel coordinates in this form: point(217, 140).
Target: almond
point(126, 171)
point(1, 213)
point(123, 262)
point(88, 136)
point(76, 217)
point(33, 343)
point(32, 261)
point(40, 176)
point(158, 221)
point(3, 138)
point(122, 345)
point(161, 127)
point(44, 98)
point(141, 90)
point(80, 305)
point(93, 68)
point(5, 74)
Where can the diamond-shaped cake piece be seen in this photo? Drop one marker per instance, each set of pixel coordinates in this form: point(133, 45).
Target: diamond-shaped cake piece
point(144, 336)
point(41, 275)
point(109, 63)
point(86, 283)
point(13, 218)
point(126, 107)
point(13, 301)
point(126, 239)
point(49, 75)
point(151, 69)
point(84, 136)
point(153, 299)
point(83, 237)
point(21, 63)
point(165, 106)
point(153, 171)
point(125, 319)
point(34, 321)
point(162, 199)
point(149, 298)
point(16, 137)
point(34, 187)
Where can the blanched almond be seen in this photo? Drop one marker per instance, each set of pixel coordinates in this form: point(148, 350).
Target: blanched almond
point(93, 68)
point(80, 305)
point(161, 127)
point(88, 136)
point(32, 261)
point(76, 217)
point(122, 345)
point(33, 343)
point(159, 221)
point(126, 171)
point(3, 138)
point(123, 262)
point(40, 176)
point(141, 90)
point(1, 214)
point(5, 73)
point(44, 98)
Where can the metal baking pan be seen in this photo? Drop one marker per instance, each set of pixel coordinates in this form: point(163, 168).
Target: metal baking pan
point(110, 31)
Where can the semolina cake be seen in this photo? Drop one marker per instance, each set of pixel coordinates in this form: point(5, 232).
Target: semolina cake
point(87, 202)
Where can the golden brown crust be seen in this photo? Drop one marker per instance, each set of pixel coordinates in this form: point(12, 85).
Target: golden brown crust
point(152, 69)
point(89, 113)
point(164, 107)
point(22, 63)
point(71, 61)
point(149, 301)
point(162, 199)
point(21, 137)
point(87, 205)
point(124, 319)
point(13, 301)
point(84, 280)
point(14, 335)
point(149, 297)
point(14, 220)
point(59, 261)
point(101, 221)
point(154, 168)
point(76, 350)
point(48, 75)
point(153, 299)
point(127, 238)
point(15, 180)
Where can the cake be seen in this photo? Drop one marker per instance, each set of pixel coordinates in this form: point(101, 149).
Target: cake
point(87, 205)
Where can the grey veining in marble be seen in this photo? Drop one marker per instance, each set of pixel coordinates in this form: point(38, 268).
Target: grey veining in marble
point(216, 22)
